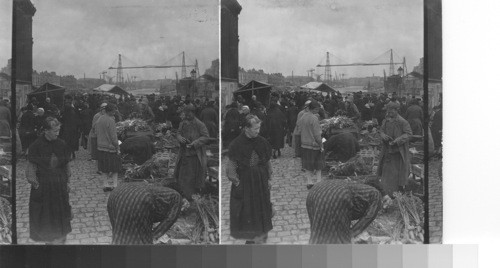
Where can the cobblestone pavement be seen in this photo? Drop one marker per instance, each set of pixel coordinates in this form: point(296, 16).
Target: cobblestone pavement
point(435, 201)
point(288, 194)
point(90, 223)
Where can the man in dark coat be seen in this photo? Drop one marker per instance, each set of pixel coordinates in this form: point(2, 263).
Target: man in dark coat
point(27, 130)
point(276, 125)
point(86, 116)
point(70, 122)
point(210, 117)
point(415, 116)
point(231, 124)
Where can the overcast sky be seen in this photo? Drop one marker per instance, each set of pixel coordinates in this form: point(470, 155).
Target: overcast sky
point(77, 37)
point(294, 35)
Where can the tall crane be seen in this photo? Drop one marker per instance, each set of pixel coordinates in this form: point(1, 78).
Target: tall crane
point(391, 63)
point(182, 66)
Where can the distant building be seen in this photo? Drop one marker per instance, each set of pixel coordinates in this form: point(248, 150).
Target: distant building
point(252, 75)
point(38, 79)
point(276, 79)
point(4, 85)
point(214, 69)
point(89, 83)
point(371, 81)
point(69, 82)
point(298, 80)
point(414, 84)
point(230, 10)
point(7, 69)
point(201, 87)
point(420, 67)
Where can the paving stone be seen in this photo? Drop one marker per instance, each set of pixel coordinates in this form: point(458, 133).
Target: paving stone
point(288, 195)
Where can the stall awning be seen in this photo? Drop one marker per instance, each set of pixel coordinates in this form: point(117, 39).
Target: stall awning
point(317, 86)
point(113, 89)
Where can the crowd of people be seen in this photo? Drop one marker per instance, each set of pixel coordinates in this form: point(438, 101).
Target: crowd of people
point(51, 135)
point(254, 135)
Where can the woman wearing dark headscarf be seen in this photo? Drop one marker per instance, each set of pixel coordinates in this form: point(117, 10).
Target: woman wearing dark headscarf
point(394, 165)
point(249, 169)
point(48, 173)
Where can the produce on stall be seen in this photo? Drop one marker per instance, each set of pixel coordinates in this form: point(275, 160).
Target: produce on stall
point(5, 221)
point(400, 223)
point(126, 127)
point(206, 229)
point(336, 122)
point(155, 169)
point(354, 167)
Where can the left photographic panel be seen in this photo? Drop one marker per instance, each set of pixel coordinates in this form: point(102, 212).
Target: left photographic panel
point(117, 113)
point(6, 188)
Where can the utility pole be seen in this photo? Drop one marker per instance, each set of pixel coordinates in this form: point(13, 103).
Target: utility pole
point(119, 71)
point(391, 66)
point(328, 70)
point(183, 70)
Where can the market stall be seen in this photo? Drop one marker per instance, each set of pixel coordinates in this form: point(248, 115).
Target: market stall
point(198, 222)
point(260, 89)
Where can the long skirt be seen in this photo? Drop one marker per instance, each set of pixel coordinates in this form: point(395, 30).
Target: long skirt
point(49, 208)
point(297, 145)
point(93, 148)
point(394, 172)
point(312, 159)
point(108, 162)
point(250, 204)
point(190, 170)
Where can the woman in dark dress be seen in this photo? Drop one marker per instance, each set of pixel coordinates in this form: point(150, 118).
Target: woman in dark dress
point(249, 169)
point(48, 173)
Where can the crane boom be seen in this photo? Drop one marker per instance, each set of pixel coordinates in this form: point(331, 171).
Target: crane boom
point(357, 64)
point(152, 67)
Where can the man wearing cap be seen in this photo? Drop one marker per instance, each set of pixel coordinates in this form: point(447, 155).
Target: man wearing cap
point(191, 166)
point(394, 165)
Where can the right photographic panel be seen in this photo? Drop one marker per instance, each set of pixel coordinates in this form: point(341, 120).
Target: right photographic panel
point(331, 122)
